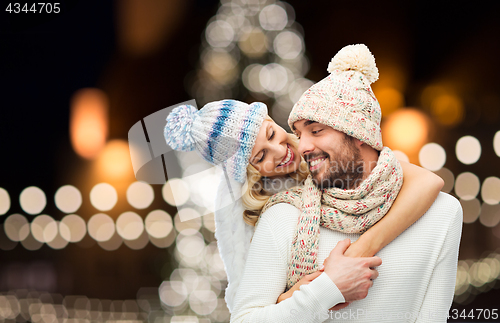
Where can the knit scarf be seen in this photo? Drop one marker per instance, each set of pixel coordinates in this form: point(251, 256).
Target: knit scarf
point(349, 211)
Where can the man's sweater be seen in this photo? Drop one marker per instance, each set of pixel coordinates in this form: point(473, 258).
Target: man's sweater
point(415, 284)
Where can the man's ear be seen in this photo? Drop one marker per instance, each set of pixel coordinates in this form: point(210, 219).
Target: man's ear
point(358, 143)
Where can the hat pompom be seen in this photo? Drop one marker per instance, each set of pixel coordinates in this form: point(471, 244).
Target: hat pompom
point(355, 57)
point(177, 131)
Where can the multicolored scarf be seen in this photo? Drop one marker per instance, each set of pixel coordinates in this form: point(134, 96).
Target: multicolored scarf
point(349, 211)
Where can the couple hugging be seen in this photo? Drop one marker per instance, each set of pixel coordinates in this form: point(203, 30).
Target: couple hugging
point(317, 205)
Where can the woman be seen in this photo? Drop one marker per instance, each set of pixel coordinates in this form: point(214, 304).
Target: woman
point(252, 148)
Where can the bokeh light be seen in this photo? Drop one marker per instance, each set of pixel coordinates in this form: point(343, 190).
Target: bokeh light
point(72, 228)
point(471, 210)
point(219, 33)
point(273, 17)
point(4, 201)
point(468, 150)
point(295, 91)
point(288, 45)
point(16, 227)
point(88, 122)
point(467, 186)
point(405, 130)
point(140, 195)
point(209, 221)
point(164, 242)
point(432, 156)
point(129, 225)
point(30, 243)
point(112, 243)
point(190, 245)
point(203, 302)
point(101, 227)
point(114, 160)
point(221, 65)
point(448, 178)
point(32, 200)
point(68, 199)
point(175, 192)
point(447, 109)
point(187, 219)
point(496, 143)
point(58, 242)
point(273, 77)
point(138, 243)
point(103, 196)
point(44, 228)
point(144, 26)
point(6, 243)
point(390, 100)
point(253, 42)
point(490, 215)
point(251, 78)
point(490, 191)
point(173, 293)
point(158, 224)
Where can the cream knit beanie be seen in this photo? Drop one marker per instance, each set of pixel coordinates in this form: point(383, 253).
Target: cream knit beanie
point(344, 100)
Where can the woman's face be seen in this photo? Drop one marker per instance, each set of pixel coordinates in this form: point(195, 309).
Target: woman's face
point(274, 153)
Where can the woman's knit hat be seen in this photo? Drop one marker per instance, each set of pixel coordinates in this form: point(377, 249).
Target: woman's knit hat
point(223, 132)
point(344, 100)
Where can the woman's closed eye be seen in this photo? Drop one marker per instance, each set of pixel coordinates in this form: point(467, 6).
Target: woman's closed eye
point(263, 156)
point(272, 135)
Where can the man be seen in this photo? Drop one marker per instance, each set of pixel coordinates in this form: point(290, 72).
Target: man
point(338, 122)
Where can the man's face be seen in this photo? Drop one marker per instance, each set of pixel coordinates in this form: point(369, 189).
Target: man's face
point(333, 157)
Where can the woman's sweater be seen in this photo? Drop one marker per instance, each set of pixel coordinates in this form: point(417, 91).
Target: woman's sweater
point(415, 284)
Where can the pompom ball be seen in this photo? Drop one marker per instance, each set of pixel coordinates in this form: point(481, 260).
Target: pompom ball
point(355, 58)
point(177, 131)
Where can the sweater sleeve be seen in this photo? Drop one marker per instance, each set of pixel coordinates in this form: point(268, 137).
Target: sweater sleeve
point(264, 280)
point(439, 294)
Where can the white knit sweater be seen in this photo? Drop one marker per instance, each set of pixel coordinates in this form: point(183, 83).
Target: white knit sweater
point(416, 281)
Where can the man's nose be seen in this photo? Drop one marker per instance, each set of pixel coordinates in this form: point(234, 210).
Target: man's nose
point(305, 145)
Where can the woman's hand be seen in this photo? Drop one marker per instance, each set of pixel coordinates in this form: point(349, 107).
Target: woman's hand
point(359, 249)
point(303, 281)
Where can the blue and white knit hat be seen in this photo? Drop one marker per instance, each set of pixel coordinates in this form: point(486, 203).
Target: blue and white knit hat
point(223, 132)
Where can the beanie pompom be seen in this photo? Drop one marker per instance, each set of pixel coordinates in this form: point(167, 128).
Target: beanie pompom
point(355, 57)
point(177, 131)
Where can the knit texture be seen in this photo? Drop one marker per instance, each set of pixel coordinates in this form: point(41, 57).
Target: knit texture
point(223, 132)
point(349, 211)
point(416, 280)
point(344, 100)
point(232, 233)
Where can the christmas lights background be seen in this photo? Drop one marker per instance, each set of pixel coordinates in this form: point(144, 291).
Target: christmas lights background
point(81, 239)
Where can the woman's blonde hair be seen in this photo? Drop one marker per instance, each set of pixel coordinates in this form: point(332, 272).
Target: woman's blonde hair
point(256, 196)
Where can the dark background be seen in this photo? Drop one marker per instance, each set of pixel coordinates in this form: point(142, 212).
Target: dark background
point(43, 61)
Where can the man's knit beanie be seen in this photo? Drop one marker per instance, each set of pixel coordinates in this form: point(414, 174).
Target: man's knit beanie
point(344, 100)
point(223, 132)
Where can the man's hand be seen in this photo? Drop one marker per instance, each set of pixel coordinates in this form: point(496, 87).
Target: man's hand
point(353, 276)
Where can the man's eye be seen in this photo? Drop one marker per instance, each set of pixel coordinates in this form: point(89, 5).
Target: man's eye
point(316, 131)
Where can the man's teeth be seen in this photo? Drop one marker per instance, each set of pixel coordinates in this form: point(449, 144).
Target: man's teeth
point(317, 161)
point(287, 158)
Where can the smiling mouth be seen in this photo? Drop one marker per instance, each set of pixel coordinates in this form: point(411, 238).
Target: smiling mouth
point(287, 160)
point(315, 164)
